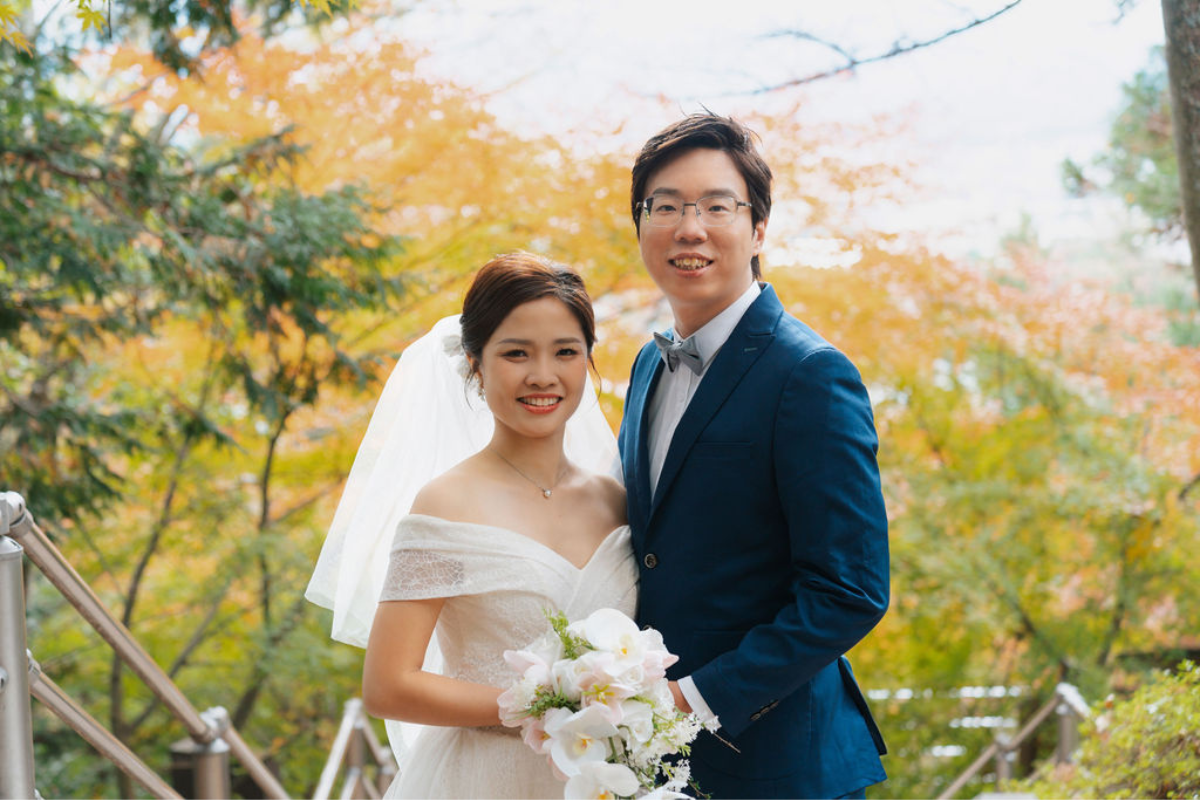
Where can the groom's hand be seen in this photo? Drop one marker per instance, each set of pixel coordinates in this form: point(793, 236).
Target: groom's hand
point(680, 701)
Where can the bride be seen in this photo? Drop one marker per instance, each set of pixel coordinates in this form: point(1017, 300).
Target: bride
point(489, 545)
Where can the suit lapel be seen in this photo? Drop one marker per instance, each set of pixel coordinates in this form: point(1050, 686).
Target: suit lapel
point(641, 389)
point(741, 350)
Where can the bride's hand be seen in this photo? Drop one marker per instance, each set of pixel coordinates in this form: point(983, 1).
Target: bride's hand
point(680, 701)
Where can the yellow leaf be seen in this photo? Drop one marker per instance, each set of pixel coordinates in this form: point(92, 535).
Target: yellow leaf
point(323, 6)
point(8, 26)
point(90, 17)
point(15, 38)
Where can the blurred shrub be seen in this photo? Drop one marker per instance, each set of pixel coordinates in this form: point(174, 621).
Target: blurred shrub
point(1145, 746)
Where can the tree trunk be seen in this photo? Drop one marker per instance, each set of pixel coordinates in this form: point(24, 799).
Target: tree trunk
point(1181, 18)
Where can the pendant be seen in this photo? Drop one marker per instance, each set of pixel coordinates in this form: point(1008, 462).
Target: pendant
point(546, 493)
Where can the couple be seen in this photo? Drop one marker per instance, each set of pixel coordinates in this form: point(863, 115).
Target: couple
point(749, 530)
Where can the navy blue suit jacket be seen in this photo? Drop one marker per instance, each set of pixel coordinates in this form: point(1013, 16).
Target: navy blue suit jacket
point(764, 557)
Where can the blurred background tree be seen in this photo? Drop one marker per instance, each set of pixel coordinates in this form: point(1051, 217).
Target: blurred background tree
point(1181, 20)
point(1140, 165)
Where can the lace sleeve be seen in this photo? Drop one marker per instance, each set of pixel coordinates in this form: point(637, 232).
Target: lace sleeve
point(432, 557)
point(416, 574)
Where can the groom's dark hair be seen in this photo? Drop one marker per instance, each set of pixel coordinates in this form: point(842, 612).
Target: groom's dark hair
point(714, 132)
point(511, 280)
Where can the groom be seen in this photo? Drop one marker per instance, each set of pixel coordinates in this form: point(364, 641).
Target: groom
point(748, 450)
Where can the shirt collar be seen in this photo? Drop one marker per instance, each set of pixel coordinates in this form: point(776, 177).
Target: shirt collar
point(713, 334)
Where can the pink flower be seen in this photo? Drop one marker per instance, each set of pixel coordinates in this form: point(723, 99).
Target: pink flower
point(602, 692)
point(515, 700)
point(534, 734)
point(655, 663)
point(530, 664)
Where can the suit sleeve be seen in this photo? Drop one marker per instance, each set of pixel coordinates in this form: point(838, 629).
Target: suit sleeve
point(824, 460)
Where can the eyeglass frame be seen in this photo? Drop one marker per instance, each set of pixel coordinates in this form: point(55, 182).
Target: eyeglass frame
point(644, 209)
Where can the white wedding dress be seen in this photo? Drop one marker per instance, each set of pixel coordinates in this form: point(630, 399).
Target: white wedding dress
point(498, 585)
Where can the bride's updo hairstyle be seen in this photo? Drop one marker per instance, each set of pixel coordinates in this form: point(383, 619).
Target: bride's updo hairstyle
point(511, 280)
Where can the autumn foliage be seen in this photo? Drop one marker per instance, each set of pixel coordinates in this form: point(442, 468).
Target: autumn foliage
point(1040, 431)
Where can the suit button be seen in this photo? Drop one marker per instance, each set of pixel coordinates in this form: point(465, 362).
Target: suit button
point(650, 560)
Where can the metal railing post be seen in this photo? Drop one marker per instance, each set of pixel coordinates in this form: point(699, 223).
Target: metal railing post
point(204, 767)
point(1072, 709)
point(16, 721)
point(42, 552)
point(1004, 770)
point(356, 759)
point(354, 742)
point(55, 567)
point(200, 769)
point(1068, 733)
point(382, 756)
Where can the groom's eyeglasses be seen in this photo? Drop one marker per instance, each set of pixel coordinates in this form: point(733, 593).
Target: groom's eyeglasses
point(714, 211)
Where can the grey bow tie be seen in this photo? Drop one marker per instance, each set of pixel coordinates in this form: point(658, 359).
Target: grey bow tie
point(673, 352)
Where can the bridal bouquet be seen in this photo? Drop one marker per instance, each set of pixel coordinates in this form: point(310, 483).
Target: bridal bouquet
point(592, 696)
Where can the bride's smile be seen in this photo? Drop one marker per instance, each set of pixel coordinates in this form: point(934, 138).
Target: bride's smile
point(534, 368)
point(541, 403)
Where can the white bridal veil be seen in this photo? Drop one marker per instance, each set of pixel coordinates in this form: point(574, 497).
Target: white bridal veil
point(425, 422)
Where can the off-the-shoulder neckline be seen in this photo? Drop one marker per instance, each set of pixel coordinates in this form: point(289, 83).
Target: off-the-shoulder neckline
point(529, 539)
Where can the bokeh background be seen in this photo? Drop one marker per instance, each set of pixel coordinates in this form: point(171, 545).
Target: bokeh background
point(220, 225)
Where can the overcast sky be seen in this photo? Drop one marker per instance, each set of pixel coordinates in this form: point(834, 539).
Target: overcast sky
point(993, 110)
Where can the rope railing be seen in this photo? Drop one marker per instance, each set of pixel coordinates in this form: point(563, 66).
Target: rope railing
point(1071, 709)
point(211, 732)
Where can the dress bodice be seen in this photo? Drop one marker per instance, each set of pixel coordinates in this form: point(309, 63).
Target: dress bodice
point(499, 585)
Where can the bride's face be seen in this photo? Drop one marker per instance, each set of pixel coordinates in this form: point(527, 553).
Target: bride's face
point(534, 368)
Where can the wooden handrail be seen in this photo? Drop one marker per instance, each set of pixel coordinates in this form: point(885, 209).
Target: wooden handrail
point(49, 694)
point(1066, 698)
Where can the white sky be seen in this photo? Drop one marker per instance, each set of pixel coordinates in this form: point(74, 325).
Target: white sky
point(992, 111)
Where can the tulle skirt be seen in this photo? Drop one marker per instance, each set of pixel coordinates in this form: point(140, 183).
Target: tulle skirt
point(474, 763)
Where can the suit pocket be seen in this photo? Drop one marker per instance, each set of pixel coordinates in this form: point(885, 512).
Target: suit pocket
point(724, 451)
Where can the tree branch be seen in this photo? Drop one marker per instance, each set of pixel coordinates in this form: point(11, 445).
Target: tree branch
point(853, 62)
point(1187, 487)
point(198, 637)
point(264, 517)
point(808, 37)
point(1027, 624)
point(166, 512)
point(245, 704)
point(1120, 608)
point(306, 502)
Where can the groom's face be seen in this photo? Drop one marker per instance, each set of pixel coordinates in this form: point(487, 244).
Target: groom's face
point(700, 269)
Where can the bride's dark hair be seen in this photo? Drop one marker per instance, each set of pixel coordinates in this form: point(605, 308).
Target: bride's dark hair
point(511, 280)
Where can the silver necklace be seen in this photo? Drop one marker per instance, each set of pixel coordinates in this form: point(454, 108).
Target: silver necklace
point(546, 491)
